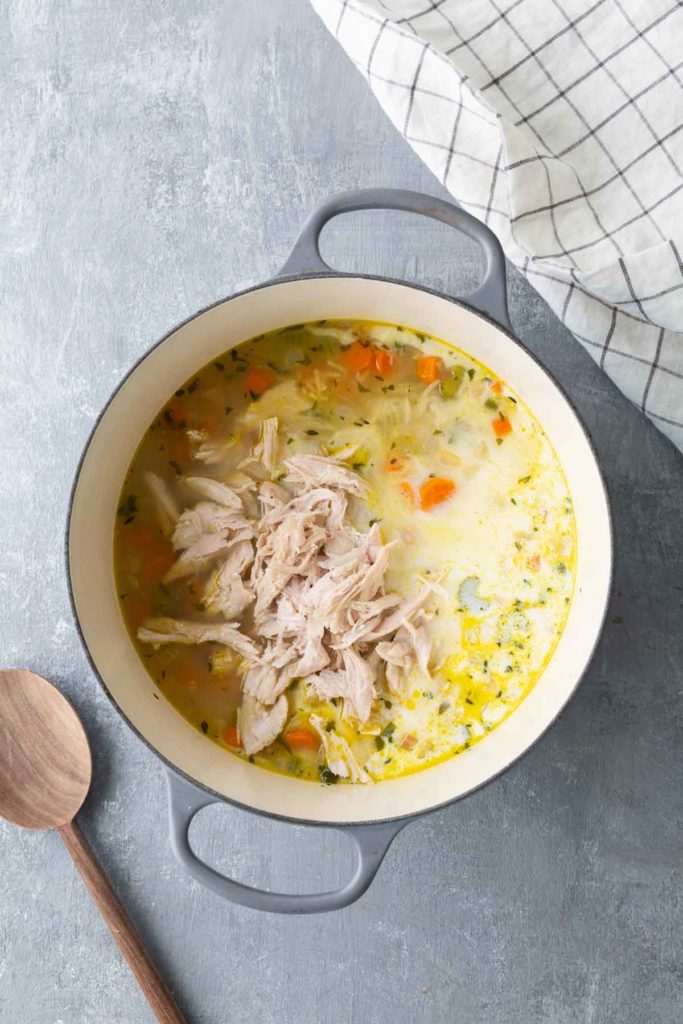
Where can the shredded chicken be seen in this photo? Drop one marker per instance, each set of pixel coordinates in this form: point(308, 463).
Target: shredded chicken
point(312, 587)
point(214, 490)
point(266, 449)
point(338, 754)
point(167, 510)
point(176, 631)
point(259, 724)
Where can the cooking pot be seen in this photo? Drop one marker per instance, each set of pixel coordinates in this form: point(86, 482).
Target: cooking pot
point(198, 771)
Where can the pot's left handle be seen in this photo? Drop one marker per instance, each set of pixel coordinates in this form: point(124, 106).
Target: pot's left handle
point(372, 842)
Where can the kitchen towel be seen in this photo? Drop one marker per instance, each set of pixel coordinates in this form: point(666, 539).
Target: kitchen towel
point(558, 123)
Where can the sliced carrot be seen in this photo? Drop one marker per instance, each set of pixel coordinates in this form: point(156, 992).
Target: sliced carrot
point(429, 369)
point(358, 357)
point(501, 426)
point(396, 465)
point(156, 566)
point(232, 736)
point(258, 380)
point(497, 387)
point(407, 492)
point(301, 739)
point(384, 362)
point(434, 491)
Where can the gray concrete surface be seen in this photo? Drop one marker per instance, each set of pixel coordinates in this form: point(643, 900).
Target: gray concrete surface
point(155, 156)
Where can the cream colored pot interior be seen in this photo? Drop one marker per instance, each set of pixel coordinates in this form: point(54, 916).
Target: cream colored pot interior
point(94, 510)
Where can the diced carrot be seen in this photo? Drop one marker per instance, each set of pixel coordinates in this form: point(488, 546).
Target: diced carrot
point(188, 676)
point(177, 412)
point(258, 380)
point(137, 611)
point(409, 741)
point(429, 369)
point(534, 562)
point(178, 449)
point(497, 387)
point(301, 739)
point(358, 357)
point(384, 362)
point(407, 492)
point(210, 424)
point(156, 566)
point(140, 538)
point(396, 465)
point(434, 491)
point(232, 736)
point(501, 426)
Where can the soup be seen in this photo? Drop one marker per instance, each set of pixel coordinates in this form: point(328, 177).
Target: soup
point(345, 551)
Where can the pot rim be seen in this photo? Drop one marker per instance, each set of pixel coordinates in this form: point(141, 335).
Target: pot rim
point(168, 764)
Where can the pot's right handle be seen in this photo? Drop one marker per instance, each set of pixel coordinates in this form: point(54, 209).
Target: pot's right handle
point(489, 298)
point(372, 842)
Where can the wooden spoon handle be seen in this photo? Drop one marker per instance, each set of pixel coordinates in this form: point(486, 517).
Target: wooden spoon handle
point(149, 979)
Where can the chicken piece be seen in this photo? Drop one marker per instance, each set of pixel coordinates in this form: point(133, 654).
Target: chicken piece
point(314, 470)
point(364, 617)
point(176, 631)
point(314, 658)
point(214, 490)
point(258, 724)
point(206, 517)
point(226, 591)
point(422, 644)
point(216, 453)
point(355, 683)
point(405, 612)
point(399, 657)
point(267, 448)
point(272, 495)
point(338, 754)
point(167, 509)
point(208, 547)
point(264, 683)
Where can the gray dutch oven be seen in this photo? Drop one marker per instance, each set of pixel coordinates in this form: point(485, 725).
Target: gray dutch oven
point(198, 771)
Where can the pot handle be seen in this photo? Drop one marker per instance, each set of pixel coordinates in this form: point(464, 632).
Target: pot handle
point(372, 842)
point(489, 298)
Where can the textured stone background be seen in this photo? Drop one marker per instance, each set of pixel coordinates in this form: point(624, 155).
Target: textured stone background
point(154, 157)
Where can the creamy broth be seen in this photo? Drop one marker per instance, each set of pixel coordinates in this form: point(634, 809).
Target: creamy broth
point(458, 478)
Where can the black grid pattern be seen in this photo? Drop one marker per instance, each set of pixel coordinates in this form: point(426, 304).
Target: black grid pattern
point(560, 124)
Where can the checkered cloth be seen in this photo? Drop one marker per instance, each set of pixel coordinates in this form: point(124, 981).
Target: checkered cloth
point(558, 123)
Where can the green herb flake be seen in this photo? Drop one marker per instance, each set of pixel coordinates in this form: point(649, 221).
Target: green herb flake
point(129, 507)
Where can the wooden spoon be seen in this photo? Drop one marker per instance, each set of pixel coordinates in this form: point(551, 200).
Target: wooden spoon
point(45, 772)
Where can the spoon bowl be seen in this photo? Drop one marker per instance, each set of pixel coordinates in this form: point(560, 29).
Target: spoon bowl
point(45, 763)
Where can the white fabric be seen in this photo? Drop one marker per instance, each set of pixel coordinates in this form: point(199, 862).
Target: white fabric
point(558, 123)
